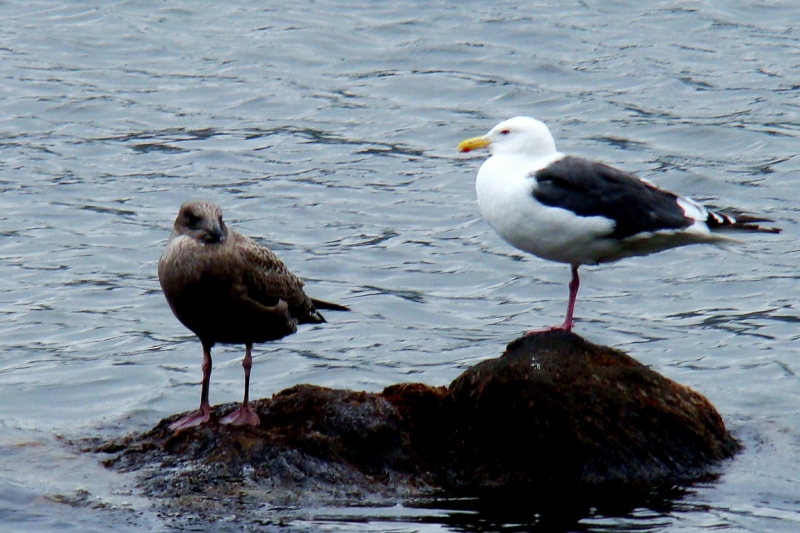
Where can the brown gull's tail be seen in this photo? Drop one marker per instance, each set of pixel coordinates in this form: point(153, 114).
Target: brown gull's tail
point(328, 306)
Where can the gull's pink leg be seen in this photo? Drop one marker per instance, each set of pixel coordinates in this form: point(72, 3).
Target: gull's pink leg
point(244, 415)
point(573, 295)
point(202, 415)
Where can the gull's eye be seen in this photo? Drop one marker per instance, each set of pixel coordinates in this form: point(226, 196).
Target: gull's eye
point(505, 132)
point(192, 219)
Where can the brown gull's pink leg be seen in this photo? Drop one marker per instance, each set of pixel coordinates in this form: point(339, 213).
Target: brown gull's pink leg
point(202, 415)
point(244, 415)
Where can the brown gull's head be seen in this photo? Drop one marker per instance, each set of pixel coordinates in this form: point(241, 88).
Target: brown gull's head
point(201, 221)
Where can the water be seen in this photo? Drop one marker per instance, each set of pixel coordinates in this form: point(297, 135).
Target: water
point(328, 131)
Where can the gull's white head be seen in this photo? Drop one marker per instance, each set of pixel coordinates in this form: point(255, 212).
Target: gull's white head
point(515, 136)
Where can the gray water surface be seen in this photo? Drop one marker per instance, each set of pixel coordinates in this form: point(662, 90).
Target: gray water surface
point(327, 130)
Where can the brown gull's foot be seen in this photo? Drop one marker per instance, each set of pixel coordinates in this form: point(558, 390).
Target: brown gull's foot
point(243, 416)
point(201, 416)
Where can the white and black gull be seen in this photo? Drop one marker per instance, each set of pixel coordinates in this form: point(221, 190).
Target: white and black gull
point(580, 212)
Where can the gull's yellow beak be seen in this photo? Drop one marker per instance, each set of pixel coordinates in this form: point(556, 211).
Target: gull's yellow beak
point(473, 143)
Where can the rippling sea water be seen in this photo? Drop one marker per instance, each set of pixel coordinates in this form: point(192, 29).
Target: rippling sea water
point(327, 130)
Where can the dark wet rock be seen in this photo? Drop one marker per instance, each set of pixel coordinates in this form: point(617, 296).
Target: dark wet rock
point(557, 414)
point(313, 445)
point(553, 415)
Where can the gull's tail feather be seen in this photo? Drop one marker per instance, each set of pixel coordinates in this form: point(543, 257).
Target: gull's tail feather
point(329, 306)
point(723, 221)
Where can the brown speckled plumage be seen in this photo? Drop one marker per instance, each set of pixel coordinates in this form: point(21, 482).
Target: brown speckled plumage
point(228, 289)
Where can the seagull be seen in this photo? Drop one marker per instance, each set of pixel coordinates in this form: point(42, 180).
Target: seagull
point(571, 210)
point(228, 289)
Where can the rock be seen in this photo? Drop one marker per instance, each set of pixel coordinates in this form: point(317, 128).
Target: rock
point(555, 415)
point(313, 444)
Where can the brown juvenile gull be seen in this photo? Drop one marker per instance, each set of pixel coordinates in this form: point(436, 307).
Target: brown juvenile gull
point(227, 288)
point(580, 212)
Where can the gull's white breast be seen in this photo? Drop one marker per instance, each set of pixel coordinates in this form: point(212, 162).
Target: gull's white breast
point(505, 188)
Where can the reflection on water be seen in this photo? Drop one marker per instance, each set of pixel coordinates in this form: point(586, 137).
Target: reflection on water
point(329, 134)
